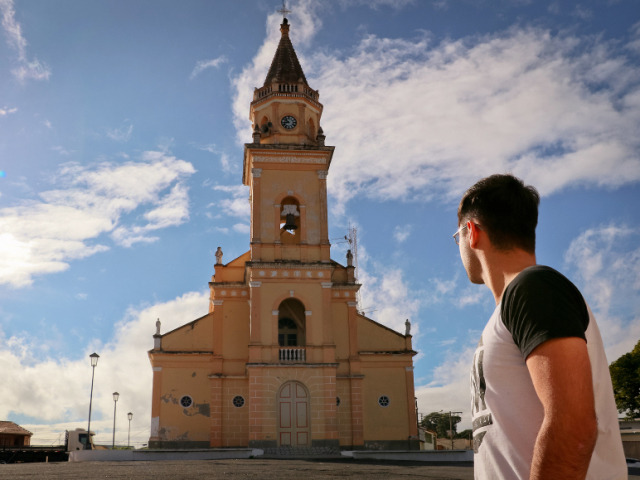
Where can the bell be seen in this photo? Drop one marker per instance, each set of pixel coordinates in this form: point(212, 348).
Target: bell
point(290, 223)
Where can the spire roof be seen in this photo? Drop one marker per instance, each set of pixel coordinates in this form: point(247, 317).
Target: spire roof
point(285, 67)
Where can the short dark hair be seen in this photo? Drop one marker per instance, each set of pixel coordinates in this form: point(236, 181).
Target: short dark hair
point(506, 208)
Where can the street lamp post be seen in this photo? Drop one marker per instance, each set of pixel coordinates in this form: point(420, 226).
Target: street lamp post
point(115, 402)
point(94, 361)
point(130, 415)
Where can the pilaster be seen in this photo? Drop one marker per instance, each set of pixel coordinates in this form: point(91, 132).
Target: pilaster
point(357, 412)
point(255, 339)
point(215, 411)
point(411, 405)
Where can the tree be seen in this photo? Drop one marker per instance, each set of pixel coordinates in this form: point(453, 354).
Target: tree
point(465, 434)
point(625, 376)
point(439, 423)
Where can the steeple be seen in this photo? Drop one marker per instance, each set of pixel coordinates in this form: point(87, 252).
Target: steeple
point(285, 67)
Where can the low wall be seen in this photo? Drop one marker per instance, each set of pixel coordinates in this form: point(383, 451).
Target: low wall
point(155, 455)
point(413, 455)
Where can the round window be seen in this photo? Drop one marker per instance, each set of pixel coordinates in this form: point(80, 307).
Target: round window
point(383, 401)
point(238, 401)
point(338, 401)
point(186, 401)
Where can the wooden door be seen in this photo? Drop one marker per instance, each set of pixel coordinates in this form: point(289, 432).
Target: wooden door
point(293, 416)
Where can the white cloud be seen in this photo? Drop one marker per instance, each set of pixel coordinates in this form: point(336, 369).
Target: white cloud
point(61, 150)
point(6, 111)
point(42, 236)
point(237, 206)
point(13, 32)
point(402, 233)
point(47, 124)
point(555, 109)
point(241, 228)
point(222, 230)
point(171, 210)
point(582, 12)
point(122, 134)
point(385, 290)
point(204, 64)
point(56, 390)
point(606, 263)
point(449, 389)
point(225, 161)
point(634, 43)
point(81, 296)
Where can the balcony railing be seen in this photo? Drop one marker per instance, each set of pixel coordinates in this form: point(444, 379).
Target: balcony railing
point(293, 355)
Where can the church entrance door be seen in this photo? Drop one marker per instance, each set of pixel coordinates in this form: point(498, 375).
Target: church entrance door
point(294, 427)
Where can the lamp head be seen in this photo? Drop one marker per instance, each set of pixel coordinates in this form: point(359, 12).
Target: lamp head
point(94, 359)
point(116, 395)
point(130, 415)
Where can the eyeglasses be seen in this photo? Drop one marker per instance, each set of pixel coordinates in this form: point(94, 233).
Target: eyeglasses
point(456, 236)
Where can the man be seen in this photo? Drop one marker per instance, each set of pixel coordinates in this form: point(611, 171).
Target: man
point(542, 399)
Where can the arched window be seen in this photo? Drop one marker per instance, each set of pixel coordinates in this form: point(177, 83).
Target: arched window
point(291, 324)
point(287, 333)
point(289, 221)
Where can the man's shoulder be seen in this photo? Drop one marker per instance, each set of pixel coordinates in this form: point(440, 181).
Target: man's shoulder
point(539, 276)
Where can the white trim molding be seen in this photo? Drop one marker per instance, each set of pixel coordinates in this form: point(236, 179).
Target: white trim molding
point(255, 284)
point(217, 302)
point(322, 174)
point(327, 284)
point(256, 172)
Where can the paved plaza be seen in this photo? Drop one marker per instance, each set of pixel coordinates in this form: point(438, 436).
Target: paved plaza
point(306, 469)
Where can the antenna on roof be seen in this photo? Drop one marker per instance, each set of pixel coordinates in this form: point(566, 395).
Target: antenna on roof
point(284, 11)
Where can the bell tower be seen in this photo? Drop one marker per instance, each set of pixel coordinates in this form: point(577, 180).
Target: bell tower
point(286, 165)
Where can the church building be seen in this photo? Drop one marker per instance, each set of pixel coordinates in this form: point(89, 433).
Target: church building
point(284, 358)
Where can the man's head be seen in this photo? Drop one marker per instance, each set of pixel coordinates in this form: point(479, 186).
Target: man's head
point(506, 210)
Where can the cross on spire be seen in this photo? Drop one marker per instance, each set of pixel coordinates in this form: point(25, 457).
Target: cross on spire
point(284, 10)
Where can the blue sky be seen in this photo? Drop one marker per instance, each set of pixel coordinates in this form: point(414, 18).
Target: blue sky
point(121, 132)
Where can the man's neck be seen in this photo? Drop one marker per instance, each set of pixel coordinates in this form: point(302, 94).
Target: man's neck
point(500, 268)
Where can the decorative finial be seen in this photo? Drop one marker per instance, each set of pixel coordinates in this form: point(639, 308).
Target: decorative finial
point(407, 326)
point(158, 327)
point(284, 12)
point(219, 256)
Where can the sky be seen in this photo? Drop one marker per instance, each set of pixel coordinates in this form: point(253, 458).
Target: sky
point(122, 127)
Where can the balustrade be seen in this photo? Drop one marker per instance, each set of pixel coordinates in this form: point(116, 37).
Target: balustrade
point(293, 355)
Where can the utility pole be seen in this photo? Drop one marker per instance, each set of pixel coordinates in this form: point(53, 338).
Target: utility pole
point(451, 426)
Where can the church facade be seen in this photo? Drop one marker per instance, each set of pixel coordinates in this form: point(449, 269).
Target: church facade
point(284, 357)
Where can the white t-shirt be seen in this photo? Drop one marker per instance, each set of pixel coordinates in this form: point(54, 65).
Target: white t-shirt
point(539, 304)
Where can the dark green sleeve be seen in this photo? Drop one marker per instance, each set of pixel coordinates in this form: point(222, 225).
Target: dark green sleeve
point(541, 304)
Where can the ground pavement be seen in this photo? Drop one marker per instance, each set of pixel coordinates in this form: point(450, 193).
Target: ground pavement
point(269, 469)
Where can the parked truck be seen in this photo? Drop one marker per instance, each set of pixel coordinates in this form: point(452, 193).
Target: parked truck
point(73, 440)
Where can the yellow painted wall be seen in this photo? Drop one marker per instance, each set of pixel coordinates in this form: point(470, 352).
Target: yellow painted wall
point(274, 183)
point(194, 336)
point(235, 329)
point(177, 422)
point(388, 423)
point(340, 322)
point(373, 337)
point(343, 390)
point(235, 421)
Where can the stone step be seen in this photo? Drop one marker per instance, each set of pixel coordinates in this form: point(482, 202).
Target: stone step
point(299, 451)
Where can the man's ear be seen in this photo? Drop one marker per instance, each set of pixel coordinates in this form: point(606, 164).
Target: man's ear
point(474, 234)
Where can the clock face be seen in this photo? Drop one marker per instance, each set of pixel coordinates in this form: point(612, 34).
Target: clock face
point(288, 122)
